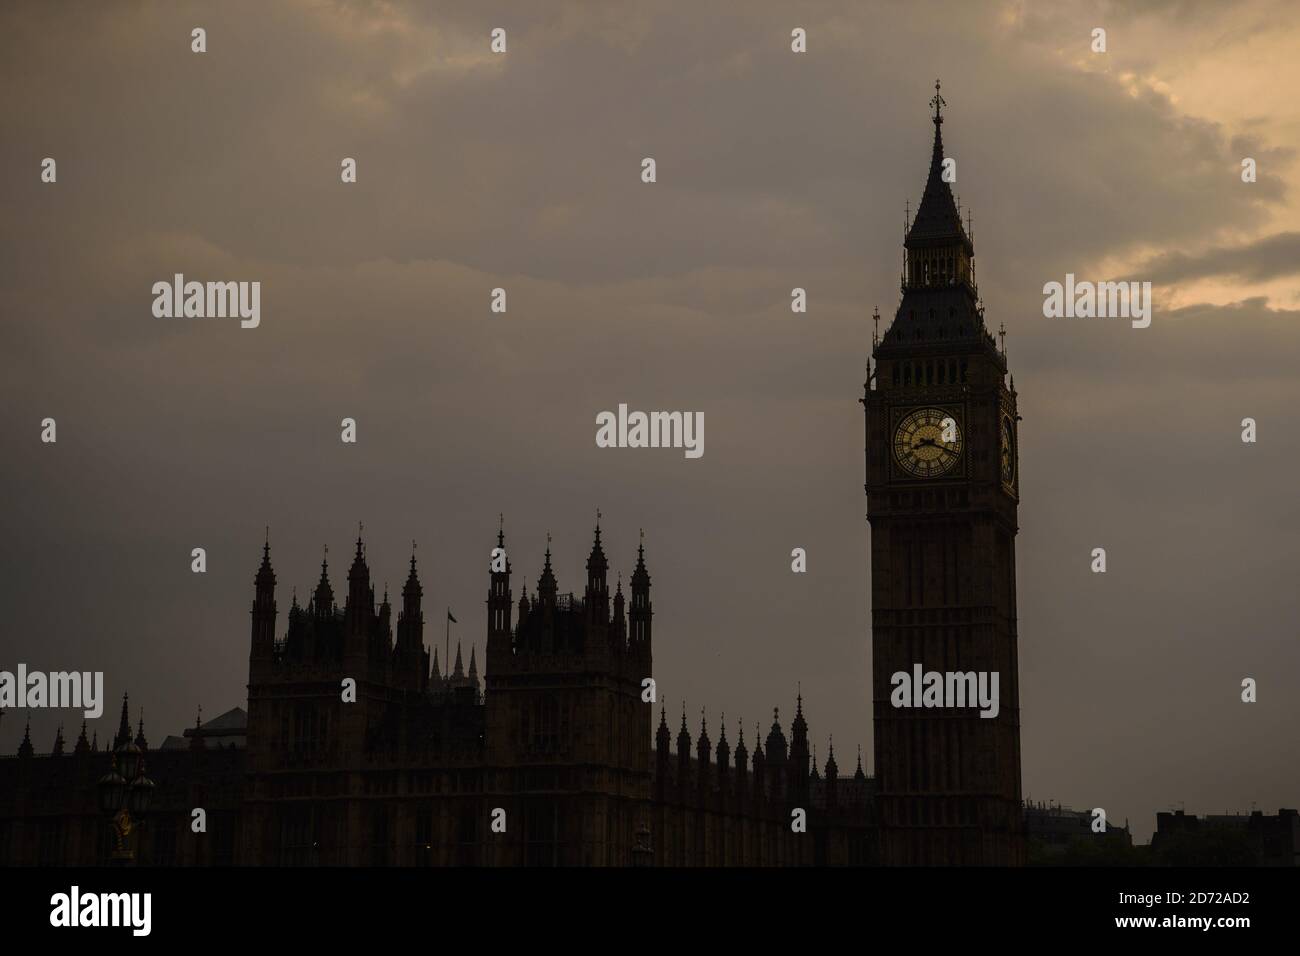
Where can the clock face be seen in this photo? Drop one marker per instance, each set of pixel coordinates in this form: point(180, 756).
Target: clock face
point(927, 443)
point(1008, 452)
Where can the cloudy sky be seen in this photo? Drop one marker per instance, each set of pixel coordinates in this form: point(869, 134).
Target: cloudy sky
point(775, 170)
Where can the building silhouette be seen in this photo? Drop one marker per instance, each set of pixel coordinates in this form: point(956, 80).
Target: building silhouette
point(557, 746)
point(360, 747)
point(942, 483)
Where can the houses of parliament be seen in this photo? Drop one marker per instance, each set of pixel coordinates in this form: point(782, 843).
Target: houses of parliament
point(359, 748)
point(557, 743)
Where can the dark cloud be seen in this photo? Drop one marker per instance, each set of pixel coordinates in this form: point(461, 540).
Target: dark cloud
point(1271, 257)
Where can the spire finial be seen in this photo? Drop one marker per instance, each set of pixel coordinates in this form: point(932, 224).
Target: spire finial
point(875, 317)
point(1002, 334)
point(938, 102)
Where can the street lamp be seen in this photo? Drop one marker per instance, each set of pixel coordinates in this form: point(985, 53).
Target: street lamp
point(125, 797)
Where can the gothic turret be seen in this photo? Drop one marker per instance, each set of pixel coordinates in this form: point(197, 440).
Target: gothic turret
point(619, 629)
point(323, 599)
point(799, 753)
point(412, 658)
point(663, 740)
point(776, 745)
point(832, 775)
point(722, 758)
point(702, 747)
point(742, 764)
point(760, 766)
point(683, 757)
point(597, 593)
point(546, 586)
point(360, 596)
point(641, 613)
point(262, 646)
point(123, 727)
point(499, 605)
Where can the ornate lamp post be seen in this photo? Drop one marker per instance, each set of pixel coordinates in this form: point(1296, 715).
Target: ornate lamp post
point(124, 797)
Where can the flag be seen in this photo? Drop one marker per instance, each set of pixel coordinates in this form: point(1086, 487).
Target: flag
point(451, 617)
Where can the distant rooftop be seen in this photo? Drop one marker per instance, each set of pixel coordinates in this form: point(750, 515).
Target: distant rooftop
point(230, 728)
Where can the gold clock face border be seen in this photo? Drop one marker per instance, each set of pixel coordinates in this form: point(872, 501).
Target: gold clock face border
point(903, 416)
point(1007, 437)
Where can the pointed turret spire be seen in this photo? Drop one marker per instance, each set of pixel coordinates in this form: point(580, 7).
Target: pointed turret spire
point(83, 745)
point(265, 574)
point(124, 726)
point(546, 587)
point(57, 750)
point(139, 737)
point(937, 216)
point(25, 748)
point(683, 745)
point(473, 666)
point(324, 596)
point(458, 672)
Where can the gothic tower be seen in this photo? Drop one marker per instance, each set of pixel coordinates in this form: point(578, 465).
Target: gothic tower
point(942, 483)
point(567, 729)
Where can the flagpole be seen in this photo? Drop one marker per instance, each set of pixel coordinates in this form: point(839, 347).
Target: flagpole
point(446, 651)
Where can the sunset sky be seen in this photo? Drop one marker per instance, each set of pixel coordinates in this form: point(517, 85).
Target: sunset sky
point(775, 170)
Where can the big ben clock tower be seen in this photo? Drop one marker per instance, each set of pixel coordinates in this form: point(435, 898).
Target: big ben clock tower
point(942, 470)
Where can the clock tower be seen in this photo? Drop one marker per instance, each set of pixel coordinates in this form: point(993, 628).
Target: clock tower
point(943, 483)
